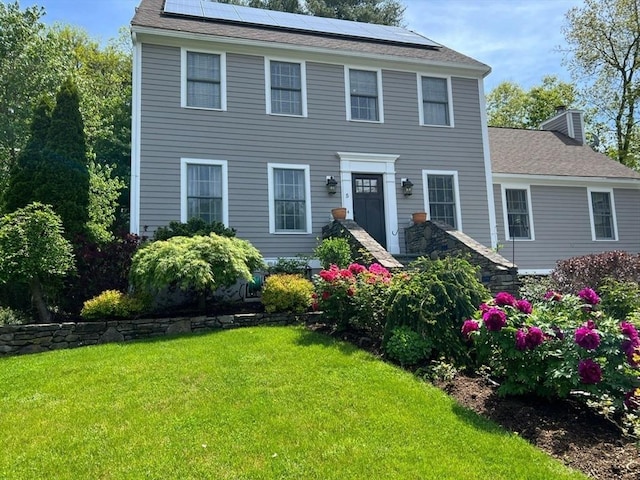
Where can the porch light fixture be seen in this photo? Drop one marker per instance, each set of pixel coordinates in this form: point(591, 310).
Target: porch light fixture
point(407, 187)
point(331, 185)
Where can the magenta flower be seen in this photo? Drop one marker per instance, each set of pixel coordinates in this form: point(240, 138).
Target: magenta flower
point(589, 371)
point(521, 340)
point(379, 270)
point(535, 337)
point(553, 295)
point(484, 308)
point(356, 268)
point(587, 338)
point(629, 330)
point(494, 319)
point(589, 296)
point(469, 326)
point(505, 298)
point(524, 306)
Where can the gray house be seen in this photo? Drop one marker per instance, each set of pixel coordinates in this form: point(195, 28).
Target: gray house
point(248, 116)
point(558, 198)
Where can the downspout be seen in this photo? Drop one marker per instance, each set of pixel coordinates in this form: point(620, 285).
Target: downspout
point(136, 84)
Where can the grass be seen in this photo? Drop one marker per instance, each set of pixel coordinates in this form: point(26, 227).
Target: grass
point(254, 403)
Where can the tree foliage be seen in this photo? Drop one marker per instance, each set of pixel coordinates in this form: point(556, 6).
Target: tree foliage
point(33, 250)
point(604, 55)
point(384, 12)
point(509, 105)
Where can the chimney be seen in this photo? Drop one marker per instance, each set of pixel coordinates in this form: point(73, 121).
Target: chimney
point(568, 122)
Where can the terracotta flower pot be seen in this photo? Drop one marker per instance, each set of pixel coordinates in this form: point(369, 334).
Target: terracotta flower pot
point(419, 217)
point(339, 213)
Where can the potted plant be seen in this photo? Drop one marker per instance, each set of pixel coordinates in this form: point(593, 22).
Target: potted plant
point(339, 213)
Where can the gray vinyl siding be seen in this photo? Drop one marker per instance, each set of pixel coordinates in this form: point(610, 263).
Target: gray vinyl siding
point(562, 226)
point(248, 139)
point(578, 134)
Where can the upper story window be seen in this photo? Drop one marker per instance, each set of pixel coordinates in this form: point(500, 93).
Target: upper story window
point(517, 210)
point(603, 214)
point(443, 201)
point(435, 101)
point(204, 190)
point(203, 80)
point(364, 95)
point(286, 88)
point(289, 198)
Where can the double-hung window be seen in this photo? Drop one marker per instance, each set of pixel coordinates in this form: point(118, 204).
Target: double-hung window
point(204, 190)
point(435, 108)
point(203, 82)
point(518, 221)
point(364, 99)
point(286, 90)
point(289, 198)
point(443, 202)
point(603, 214)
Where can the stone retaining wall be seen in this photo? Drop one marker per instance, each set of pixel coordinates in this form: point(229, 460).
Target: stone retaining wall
point(33, 338)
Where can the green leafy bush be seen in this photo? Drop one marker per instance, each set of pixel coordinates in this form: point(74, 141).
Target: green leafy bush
point(620, 299)
point(201, 263)
point(334, 251)
point(112, 304)
point(433, 298)
point(574, 274)
point(195, 226)
point(561, 346)
point(287, 293)
point(9, 316)
point(406, 346)
point(293, 266)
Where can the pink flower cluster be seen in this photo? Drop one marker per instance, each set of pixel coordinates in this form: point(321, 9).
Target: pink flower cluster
point(631, 344)
point(588, 295)
point(589, 371)
point(587, 337)
point(529, 338)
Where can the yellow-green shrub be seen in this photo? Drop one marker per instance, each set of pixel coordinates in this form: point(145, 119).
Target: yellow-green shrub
point(112, 303)
point(287, 293)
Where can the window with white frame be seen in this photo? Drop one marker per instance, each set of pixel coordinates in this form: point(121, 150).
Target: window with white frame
point(204, 190)
point(603, 215)
point(435, 101)
point(286, 89)
point(289, 198)
point(364, 100)
point(442, 197)
point(518, 214)
point(203, 80)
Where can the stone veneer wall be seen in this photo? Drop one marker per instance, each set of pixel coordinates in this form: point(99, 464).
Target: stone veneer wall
point(33, 338)
point(360, 240)
point(435, 240)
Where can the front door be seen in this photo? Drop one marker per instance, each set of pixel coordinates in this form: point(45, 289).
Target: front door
point(368, 205)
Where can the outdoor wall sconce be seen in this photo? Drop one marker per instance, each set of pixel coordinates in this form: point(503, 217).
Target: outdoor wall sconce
point(407, 187)
point(331, 185)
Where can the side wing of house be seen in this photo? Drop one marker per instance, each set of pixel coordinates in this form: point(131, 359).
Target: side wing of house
point(542, 221)
point(282, 120)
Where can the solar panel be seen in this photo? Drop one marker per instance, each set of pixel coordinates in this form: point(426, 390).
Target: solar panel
point(291, 21)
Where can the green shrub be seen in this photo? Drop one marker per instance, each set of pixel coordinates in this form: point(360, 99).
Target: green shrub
point(112, 304)
point(406, 346)
point(334, 251)
point(287, 293)
point(534, 287)
point(620, 299)
point(195, 226)
point(293, 266)
point(433, 298)
point(200, 263)
point(11, 317)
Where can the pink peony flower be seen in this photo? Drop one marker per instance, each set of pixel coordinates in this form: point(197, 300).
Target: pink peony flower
point(553, 295)
point(589, 296)
point(589, 371)
point(505, 298)
point(629, 330)
point(524, 306)
point(356, 268)
point(346, 273)
point(379, 270)
point(494, 319)
point(587, 338)
point(521, 339)
point(469, 326)
point(535, 337)
point(484, 308)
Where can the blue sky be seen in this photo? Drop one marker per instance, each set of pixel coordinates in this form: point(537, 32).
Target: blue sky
point(517, 38)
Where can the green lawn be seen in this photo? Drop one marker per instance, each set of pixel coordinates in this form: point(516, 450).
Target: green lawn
point(253, 403)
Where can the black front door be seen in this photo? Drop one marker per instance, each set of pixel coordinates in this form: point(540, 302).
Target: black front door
point(368, 205)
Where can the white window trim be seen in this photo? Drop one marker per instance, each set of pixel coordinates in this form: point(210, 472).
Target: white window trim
point(613, 214)
point(421, 100)
point(267, 84)
point(183, 78)
point(456, 186)
point(505, 213)
point(184, 163)
point(307, 193)
point(355, 162)
point(347, 92)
